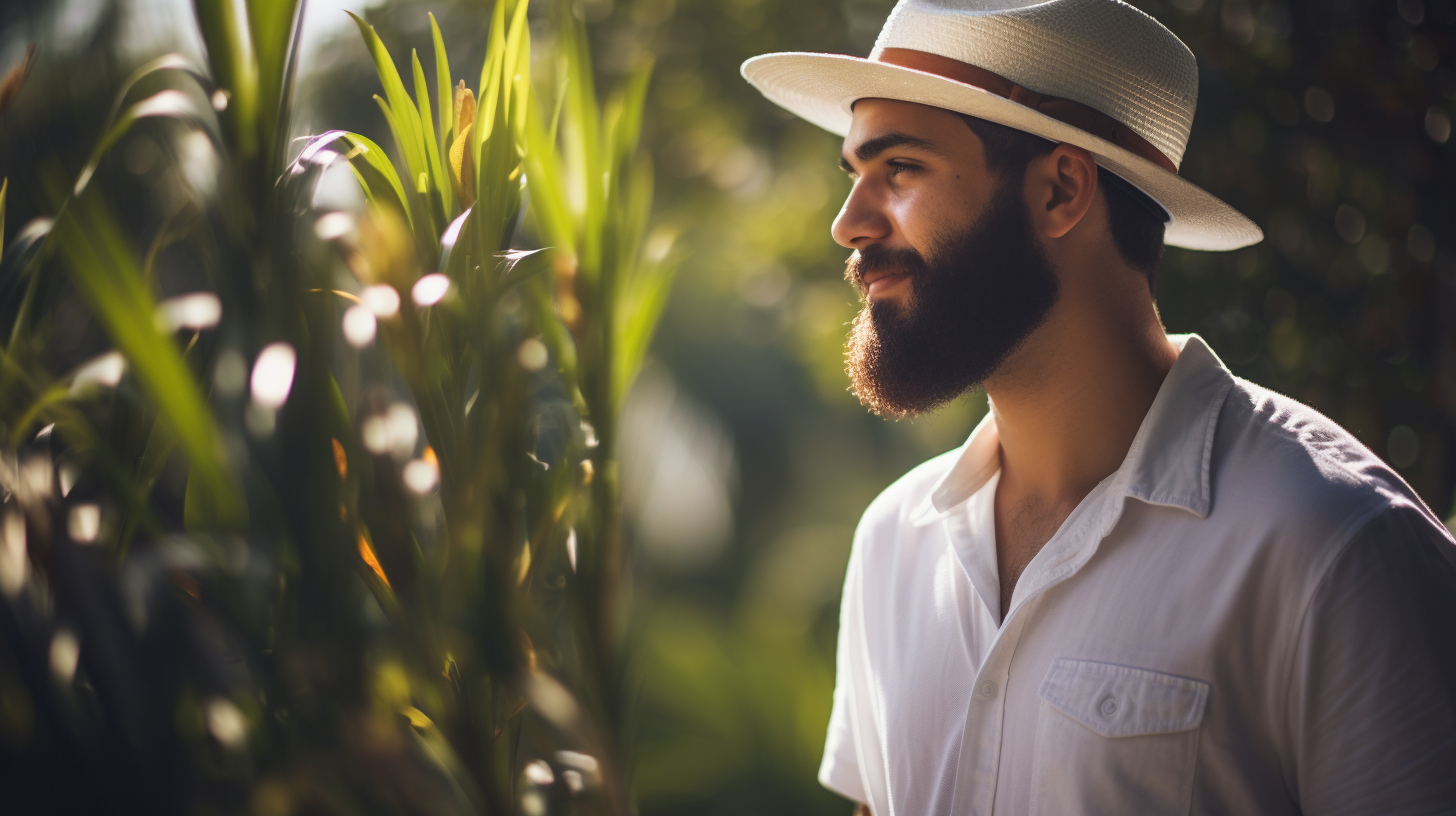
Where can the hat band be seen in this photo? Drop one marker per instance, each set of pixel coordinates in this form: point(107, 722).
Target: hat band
point(1076, 114)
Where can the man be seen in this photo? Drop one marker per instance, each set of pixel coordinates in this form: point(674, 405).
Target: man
point(1142, 586)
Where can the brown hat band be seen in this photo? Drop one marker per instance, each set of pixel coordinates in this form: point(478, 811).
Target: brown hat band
point(1075, 114)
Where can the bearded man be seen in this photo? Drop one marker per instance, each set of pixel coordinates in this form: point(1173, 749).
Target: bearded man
point(1143, 585)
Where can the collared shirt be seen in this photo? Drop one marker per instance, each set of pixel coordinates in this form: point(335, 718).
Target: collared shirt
point(1252, 615)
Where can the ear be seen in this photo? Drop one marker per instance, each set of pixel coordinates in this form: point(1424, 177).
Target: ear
point(1060, 188)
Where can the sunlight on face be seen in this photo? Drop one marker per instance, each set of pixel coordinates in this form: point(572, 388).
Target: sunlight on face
point(918, 173)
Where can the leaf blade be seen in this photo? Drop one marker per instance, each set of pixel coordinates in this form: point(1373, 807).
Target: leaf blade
point(438, 179)
point(403, 115)
point(443, 87)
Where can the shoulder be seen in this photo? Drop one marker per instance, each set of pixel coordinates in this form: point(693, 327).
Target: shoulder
point(895, 504)
point(886, 537)
point(1370, 699)
point(888, 520)
point(1282, 467)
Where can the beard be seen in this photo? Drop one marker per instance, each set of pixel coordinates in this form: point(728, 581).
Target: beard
point(982, 292)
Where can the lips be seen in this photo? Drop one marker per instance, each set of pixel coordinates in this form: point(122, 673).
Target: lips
point(881, 281)
point(869, 279)
point(875, 270)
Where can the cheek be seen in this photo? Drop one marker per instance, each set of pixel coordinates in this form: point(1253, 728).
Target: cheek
point(926, 213)
point(916, 211)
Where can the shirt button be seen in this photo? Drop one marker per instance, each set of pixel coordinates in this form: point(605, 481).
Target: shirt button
point(987, 690)
point(1108, 707)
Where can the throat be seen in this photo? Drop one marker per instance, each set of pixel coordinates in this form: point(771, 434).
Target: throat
point(1023, 526)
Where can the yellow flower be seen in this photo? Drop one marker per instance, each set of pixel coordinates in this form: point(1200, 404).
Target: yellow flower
point(462, 164)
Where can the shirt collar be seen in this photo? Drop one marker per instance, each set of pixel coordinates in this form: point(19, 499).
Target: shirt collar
point(1167, 464)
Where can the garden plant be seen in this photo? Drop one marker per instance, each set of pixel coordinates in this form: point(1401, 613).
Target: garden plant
point(318, 511)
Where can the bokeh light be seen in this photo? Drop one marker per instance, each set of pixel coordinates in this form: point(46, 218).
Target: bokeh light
point(14, 563)
point(199, 310)
point(421, 475)
point(532, 354)
point(360, 325)
point(333, 226)
point(65, 654)
point(382, 300)
point(430, 289)
point(105, 371)
point(226, 723)
point(273, 375)
point(83, 523)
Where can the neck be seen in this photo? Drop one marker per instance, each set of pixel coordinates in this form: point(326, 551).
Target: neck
point(1068, 403)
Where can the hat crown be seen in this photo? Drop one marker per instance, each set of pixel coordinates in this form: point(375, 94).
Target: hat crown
point(1102, 53)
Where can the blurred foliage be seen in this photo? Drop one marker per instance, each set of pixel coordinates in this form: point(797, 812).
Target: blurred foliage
point(1327, 122)
point(235, 576)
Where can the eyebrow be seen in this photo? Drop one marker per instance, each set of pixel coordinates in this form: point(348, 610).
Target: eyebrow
point(874, 147)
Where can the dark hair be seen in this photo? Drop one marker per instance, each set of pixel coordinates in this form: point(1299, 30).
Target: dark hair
point(1136, 221)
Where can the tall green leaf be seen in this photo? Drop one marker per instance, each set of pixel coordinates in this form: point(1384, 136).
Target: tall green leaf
point(439, 180)
point(490, 73)
point(230, 53)
point(400, 110)
point(273, 25)
point(544, 175)
point(444, 88)
point(516, 76)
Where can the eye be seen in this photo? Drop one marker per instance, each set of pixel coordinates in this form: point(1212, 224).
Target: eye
point(897, 167)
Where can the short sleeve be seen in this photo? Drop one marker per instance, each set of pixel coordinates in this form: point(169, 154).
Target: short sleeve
point(1372, 695)
point(839, 770)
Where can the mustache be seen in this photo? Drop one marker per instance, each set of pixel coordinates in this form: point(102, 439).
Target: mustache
point(877, 259)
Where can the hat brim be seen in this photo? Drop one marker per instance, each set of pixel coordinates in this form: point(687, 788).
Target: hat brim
point(822, 88)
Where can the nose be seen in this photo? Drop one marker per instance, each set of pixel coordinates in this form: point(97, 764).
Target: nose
point(862, 220)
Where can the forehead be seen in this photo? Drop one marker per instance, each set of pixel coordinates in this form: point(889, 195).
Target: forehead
point(874, 118)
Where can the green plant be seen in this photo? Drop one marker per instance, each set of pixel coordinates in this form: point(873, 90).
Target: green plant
point(223, 541)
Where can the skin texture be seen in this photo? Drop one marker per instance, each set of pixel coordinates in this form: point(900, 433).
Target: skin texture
point(1069, 400)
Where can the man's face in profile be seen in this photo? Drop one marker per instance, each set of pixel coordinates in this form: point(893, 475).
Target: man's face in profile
point(951, 273)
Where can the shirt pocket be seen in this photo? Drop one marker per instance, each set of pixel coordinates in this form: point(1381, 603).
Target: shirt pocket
point(1115, 740)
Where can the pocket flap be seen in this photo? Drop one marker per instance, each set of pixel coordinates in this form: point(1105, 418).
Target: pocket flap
point(1120, 701)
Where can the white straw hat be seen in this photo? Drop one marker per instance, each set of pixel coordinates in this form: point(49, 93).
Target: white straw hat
point(1098, 74)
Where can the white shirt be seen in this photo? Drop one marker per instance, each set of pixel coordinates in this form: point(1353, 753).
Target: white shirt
point(1252, 615)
